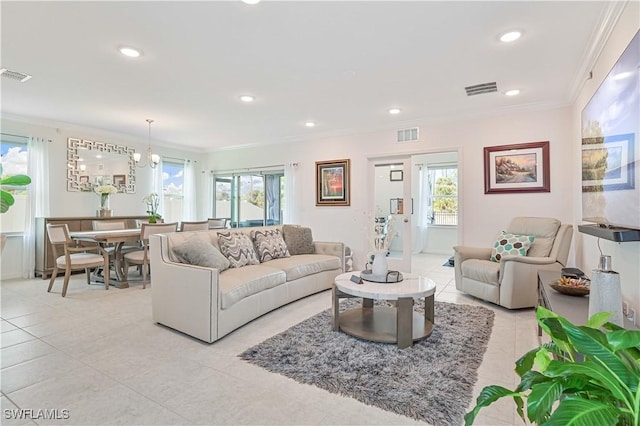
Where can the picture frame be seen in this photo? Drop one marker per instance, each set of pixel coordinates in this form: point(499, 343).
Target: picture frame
point(396, 175)
point(119, 181)
point(607, 163)
point(517, 168)
point(333, 183)
point(396, 206)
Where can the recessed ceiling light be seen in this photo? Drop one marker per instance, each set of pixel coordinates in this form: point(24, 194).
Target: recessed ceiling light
point(247, 98)
point(130, 52)
point(251, 1)
point(394, 111)
point(310, 124)
point(510, 36)
point(512, 92)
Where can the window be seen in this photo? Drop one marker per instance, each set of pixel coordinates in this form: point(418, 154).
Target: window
point(252, 199)
point(443, 195)
point(14, 161)
point(172, 190)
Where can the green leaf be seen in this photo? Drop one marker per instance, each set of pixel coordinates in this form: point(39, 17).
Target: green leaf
point(531, 378)
point(16, 180)
point(598, 320)
point(574, 411)
point(541, 399)
point(623, 339)
point(6, 201)
point(596, 372)
point(489, 395)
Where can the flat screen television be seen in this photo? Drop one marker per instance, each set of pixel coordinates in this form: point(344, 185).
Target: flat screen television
point(611, 146)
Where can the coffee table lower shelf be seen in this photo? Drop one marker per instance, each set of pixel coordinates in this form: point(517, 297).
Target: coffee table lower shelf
point(380, 324)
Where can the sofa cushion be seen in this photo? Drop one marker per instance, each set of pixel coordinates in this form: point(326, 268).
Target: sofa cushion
point(298, 239)
point(484, 271)
point(305, 264)
point(194, 250)
point(269, 244)
point(238, 283)
point(238, 248)
point(544, 229)
point(510, 244)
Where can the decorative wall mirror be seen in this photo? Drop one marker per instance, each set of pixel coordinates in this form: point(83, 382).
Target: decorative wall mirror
point(92, 163)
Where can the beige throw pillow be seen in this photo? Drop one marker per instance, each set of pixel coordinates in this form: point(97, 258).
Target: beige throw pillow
point(298, 239)
point(196, 251)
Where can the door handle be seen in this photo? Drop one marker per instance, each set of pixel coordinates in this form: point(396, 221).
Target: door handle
point(406, 220)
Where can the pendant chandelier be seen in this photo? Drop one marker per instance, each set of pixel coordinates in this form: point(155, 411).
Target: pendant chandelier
point(152, 159)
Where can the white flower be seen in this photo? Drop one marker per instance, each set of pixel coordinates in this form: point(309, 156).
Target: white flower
point(105, 189)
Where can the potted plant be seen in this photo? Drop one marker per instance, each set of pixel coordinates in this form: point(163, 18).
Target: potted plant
point(584, 376)
point(153, 203)
point(6, 198)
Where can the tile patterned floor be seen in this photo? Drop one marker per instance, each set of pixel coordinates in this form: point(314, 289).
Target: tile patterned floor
point(98, 354)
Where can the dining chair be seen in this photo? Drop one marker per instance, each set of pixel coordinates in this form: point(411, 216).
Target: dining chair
point(217, 223)
point(141, 257)
point(113, 225)
point(194, 226)
point(74, 258)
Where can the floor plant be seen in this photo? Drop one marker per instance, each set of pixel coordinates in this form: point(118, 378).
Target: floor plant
point(587, 375)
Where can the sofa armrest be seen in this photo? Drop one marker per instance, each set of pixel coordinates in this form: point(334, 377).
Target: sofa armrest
point(331, 249)
point(463, 253)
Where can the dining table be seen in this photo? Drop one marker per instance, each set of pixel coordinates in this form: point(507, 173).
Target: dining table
point(116, 239)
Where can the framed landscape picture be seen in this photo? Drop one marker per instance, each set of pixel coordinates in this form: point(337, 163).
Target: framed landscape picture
point(517, 168)
point(332, 183)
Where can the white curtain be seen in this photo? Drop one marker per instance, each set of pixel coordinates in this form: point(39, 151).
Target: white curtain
point(158, 180)
point(422, 212)
point(189, 191)
point(290, 188)
point(37, 200)
point(206, 208)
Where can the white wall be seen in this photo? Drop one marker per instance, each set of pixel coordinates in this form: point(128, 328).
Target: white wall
point(625, 256)
point(483, 216)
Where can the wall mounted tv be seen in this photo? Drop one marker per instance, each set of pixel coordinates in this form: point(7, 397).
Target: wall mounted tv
point(611, 146)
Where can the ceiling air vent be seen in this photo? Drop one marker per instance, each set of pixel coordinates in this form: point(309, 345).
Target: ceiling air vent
point(479, 89)
point(14, 75)
point(408, 135)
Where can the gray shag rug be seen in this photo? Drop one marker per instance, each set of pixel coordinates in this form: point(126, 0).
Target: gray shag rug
point(431, 381)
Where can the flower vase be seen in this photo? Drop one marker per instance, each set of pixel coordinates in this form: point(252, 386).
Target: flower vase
point(105, 210)
point(152, 219)
point(379, 267)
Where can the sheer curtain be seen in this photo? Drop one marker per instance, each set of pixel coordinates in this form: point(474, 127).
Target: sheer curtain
point(189, 191)
point(206, 207)
point(158, 181)
point(423, 210)
point(290, 188)
point(37, 201)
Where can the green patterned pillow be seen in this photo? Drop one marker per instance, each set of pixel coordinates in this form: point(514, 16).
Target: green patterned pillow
point(510, 244)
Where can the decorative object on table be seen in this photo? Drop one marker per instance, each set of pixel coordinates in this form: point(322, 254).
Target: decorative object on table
point(153, 203)
point(571, 286)
point(383, 234)
point(6, 198)
point(583, 376)
point(105, 191)
point(333, 183)
point(431, 382)
point(517, 168)
point(606, 292)
point(389, 277)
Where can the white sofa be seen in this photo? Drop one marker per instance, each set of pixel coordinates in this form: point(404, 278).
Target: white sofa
point(206, 303)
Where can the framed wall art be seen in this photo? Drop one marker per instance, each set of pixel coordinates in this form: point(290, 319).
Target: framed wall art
point(395, 175)
point(333, 183)
point(608, 165)
point(517, 168)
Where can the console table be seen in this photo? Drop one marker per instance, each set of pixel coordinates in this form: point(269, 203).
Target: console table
point(573, 308)
point(44, 254)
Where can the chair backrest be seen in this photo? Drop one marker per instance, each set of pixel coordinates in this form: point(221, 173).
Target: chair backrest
point(194, 226)
point(157, 228)
point(58, 234)
point(102, 225)
point(544, 229)
point(216, 223)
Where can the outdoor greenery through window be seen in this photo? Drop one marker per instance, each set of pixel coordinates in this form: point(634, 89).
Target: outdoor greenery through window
point(14, 160)
point(443, 188)
point(250, 199)
point(172, 190)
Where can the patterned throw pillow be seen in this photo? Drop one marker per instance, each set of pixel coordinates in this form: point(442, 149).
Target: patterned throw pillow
point(510, 244)
point(196, 251)
point(298, 239)
point(238, 248)
point(269, 244)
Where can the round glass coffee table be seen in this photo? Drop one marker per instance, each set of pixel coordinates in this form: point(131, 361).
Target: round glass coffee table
point(398, 324)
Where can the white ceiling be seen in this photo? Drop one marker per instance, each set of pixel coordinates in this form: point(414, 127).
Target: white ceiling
point(340, 64)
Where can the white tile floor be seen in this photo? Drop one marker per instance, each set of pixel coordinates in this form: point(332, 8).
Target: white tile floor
point(97, 354)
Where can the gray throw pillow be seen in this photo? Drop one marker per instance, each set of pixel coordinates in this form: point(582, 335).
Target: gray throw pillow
point(269, 244)
point(238, 248)
point(196, 251)
point(298, 239)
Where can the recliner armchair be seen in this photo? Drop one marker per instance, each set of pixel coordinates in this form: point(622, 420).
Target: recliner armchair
point(512, 282)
